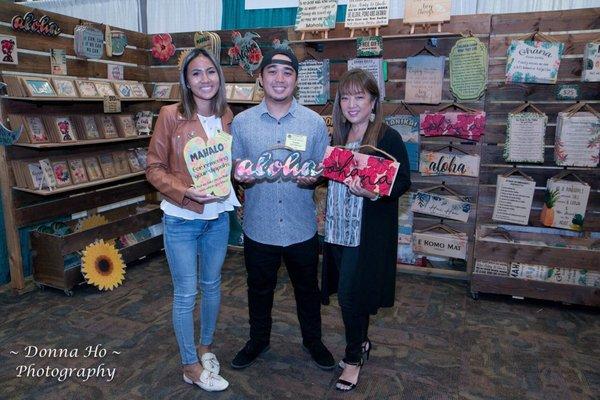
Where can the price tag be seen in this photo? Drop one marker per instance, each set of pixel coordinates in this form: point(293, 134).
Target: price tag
point(112, 104)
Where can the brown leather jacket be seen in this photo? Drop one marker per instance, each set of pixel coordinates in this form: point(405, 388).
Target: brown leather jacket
point(166, 169)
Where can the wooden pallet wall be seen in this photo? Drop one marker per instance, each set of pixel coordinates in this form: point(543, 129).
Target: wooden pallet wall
point(574, 28)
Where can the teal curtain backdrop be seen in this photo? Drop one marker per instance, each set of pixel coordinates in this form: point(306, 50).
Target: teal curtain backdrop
point(235, 16)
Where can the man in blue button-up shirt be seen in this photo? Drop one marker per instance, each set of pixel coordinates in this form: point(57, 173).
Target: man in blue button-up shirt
point(279, 215)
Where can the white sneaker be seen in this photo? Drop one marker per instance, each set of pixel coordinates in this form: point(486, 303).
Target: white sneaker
point(208, 381)
point(210, 363)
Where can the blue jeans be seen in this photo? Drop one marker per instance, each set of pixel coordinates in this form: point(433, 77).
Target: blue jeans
point(195, 251)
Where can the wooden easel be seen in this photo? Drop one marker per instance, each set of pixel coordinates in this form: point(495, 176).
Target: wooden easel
point(366, 29)
point(323, 32)
point(426, 27)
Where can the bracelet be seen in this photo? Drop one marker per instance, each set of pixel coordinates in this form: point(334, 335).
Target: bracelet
point(375, 198)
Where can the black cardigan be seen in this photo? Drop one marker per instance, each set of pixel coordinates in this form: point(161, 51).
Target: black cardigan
point(377, 252)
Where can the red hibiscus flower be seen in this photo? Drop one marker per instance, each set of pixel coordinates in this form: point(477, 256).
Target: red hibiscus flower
point(255, 55)
point(434, 124)
point(478, 127)
point(462, 126)
point(163, 47)
point(234, 52)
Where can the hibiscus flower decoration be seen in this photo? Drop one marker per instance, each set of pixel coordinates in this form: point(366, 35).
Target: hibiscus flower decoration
point(478, 127)
point(462, 126)
point(163, 47)
point(434, 124)
point(338, 164)
point(255, 55)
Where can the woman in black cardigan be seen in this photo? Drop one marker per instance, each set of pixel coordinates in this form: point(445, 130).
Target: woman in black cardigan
point(361, 228)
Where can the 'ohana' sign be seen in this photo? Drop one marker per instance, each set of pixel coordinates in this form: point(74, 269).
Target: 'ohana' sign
point(43, 26)
point(375, 174)
point(268, 168)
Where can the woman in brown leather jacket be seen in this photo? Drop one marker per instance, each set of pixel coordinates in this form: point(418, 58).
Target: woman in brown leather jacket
point(196, 225)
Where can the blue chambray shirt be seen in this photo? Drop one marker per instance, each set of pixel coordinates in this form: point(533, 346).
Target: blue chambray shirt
point(280, 212)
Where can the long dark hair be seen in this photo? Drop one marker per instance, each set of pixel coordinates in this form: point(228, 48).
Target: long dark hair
point(353, 82)
point(187, 106)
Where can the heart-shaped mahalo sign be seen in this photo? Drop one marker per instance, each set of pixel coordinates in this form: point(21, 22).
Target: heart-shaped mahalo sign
point(209, 163)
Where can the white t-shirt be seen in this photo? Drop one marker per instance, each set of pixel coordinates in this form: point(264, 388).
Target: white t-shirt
point(211, 210)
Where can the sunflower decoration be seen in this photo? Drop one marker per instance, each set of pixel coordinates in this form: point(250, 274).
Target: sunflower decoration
point(182, 57)
point(102, 265)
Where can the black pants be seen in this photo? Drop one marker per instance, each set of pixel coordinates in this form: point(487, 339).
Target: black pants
point(262, 264)
point(356, 320)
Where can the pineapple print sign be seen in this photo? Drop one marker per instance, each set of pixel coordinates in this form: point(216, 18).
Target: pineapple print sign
point(565, 203)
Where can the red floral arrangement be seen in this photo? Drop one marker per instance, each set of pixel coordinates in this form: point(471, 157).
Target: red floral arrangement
point(162, 47)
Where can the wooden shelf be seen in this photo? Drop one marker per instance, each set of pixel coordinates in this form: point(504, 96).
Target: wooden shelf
point(399, 36)
point(46, 192)
point(80, 142)
point(67, 99)
point(574, 294)
point(434, 272)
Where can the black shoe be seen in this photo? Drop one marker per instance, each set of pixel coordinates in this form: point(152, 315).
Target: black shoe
point(320, 355)
point(248, 355)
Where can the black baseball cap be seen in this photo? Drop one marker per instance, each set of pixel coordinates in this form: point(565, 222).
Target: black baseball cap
point(268, 59)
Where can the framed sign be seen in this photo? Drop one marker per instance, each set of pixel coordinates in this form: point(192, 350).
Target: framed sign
point(374, 66)
point(9, 50)
point(316, 15)
point(77, 169)
point(435, 163)
point(64, 128)
point(209, 163)
point(163, 90)
point(426, 11)
point(451, 245)
point(591, 63)
point(89, 127)
point(525, 133)
point(375, 174)
point(38, 86)
point(36, 129)
point(92, 167)
point(577, 139)
point(465, 125)
point(123, 89)
point(107, 164)
point(565, 203)
point(424, 79)
point(61, 173)
point(530, 61)
point(369, 46)
point(143, 122)
point(107, 126)
point(115, 72)
point(126, 125)
point(514, 196)
point(408, 128)
point(313, 82)
point(468, 68)
point(87, 88)
point(65, 87)
point(367, 13)
point(104, 88)
point(441, 206)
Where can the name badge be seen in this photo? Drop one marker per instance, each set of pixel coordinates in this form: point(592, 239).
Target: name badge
point(296, 142)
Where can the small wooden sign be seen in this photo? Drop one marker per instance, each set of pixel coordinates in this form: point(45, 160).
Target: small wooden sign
point(375, 174)
point(464, 125)
point(316, 15)
point(313, 82)
point(9, 50)
point(441, 206)
point(591, 63)
point(89, 42)
point(408, 128)
point(530, 61)
point(424, 79)
point(267, 167)
point(468, 68)
point(114, 72)
point(440, 244)
point(565, 204)
point(435, 163)
point(514, 196)
point(426, 11)
point(577, 140)
point(367, 13)
point(568, 92)
point(369, 46)
point(374, 66)
point(209, 163)
point(58, 61)
point(525, 133)
point(112, 104)
point(495, 268)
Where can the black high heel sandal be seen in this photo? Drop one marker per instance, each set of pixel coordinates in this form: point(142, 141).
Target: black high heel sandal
point(349, 385)
point(365, 349)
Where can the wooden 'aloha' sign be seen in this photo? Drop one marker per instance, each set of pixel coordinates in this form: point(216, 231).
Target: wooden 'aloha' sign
point(436, 163)
point(209, 163)
point(29, 24)
point(268, 168)
point(375, 174)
